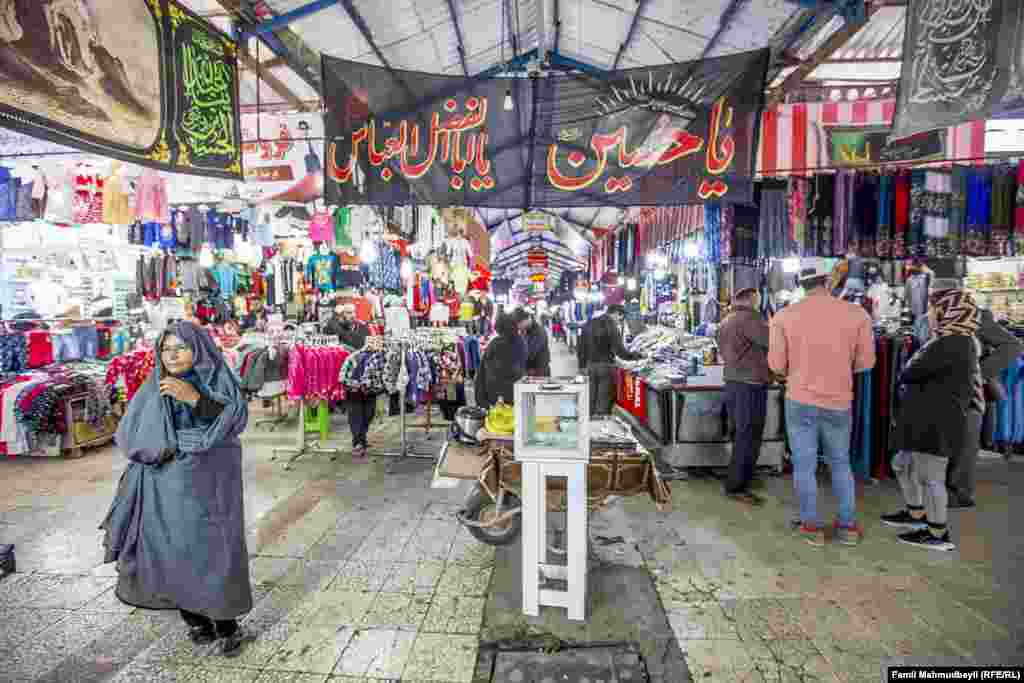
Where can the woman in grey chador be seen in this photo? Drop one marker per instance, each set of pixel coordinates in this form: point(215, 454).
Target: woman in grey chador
point(177, 527)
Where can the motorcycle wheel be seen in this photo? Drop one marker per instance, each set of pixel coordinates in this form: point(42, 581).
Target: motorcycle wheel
point(481, 508)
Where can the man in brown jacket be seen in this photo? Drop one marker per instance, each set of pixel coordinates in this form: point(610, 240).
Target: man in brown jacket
point(743, 345)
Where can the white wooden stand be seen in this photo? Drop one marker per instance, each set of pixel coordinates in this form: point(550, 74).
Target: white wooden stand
point(535, 545)
point(540, 462)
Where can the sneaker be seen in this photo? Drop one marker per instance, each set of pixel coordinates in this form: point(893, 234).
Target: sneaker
point(959, 503)
point(904, 520)
point(231, 646)
point(923, 538)
point(812, 535)
point(848, 535)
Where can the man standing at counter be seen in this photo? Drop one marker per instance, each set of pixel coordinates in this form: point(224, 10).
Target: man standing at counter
point(600, 344)
point(743, 344)
point(818, 344)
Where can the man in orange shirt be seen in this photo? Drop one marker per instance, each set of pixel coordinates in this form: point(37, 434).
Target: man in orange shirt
point(818, 344)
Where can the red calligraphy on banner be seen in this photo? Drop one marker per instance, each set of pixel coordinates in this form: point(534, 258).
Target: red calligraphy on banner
point(404, 145)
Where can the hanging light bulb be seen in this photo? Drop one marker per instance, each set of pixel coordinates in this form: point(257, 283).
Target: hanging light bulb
point(406, 269)
point(632, 283)
point(509, 104)
point(620, 281)
point(206, 258)
point(368, 253)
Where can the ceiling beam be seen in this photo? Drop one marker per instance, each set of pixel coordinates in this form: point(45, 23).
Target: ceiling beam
point(284, 19)
point(629, 34)
point(723, 24)
point(574, 225)
point(558, 27)
point(285, 44)
point(458, 37)
point(530, 242)
point(507, 4)
point(275, 83)
point(830, 46)
point(364, 29)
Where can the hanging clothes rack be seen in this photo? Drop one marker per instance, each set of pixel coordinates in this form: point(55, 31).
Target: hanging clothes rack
point(315, 447)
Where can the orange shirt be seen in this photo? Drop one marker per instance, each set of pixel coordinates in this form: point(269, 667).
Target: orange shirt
point(818, 344)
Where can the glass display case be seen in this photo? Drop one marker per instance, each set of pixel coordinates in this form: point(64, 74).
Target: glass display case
point(552, 419)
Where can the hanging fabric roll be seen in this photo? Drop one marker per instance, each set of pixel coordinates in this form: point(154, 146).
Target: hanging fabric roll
point(864, 214)
point(1003, 191)
point(883, 245)
point(901, 215)
point(798, 191)
point(979, 212)
point(843, 212)
point(958, 207)
point(773, 229)
point(937, 202)
point(916, 241)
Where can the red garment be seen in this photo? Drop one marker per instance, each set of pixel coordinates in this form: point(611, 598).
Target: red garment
point(133, 367)
point(901, 215)
point(40, 349)
point(453, 307)
point(482, 280)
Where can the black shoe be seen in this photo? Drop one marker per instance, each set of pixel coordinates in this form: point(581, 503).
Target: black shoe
point(904, 520)
point(746, 497)
point(923, 538)
point(958, 503)
point(201, 635)
point(231, 646)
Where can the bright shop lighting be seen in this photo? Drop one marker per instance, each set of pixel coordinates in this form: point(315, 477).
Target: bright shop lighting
point(509, 104)
point(632, 283)
point(791, 265)
point(206, 258)
point(691, 250)
point(621, 281)
point(368, 253)
point(406, 269)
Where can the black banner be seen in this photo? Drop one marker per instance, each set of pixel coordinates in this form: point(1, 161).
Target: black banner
point(143, 81)
point(852, 146)
point(674, 134)
point(962, 61)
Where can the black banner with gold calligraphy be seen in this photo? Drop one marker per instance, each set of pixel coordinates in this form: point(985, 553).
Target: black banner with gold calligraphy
point(143, 81)
point(674, 134)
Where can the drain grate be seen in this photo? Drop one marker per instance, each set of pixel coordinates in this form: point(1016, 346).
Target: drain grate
point(596, 663)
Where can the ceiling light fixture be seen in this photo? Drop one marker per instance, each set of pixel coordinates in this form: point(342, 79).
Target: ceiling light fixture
point(510, 105)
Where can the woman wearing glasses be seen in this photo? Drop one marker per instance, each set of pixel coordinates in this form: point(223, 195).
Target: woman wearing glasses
point(177, 527)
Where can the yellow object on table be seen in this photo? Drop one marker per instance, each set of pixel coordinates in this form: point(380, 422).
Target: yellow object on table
point(500, 419)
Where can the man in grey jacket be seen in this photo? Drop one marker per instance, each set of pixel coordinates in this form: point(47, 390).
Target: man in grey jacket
point(743, 345)
point(999, 349)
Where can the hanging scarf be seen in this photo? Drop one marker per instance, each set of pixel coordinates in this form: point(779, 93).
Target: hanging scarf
point(979, 212)
point(1003, 192)
point(901, 215)
point(883, 246)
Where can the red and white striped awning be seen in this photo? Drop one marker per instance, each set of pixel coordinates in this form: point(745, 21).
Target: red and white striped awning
point(793, 140)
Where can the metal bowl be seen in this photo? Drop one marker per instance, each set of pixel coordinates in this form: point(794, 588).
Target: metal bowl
point(470, 419)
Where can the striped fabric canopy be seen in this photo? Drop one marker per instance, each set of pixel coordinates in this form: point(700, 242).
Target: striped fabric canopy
point(793, 139)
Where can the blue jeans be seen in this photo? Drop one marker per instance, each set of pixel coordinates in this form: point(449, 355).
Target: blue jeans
point(808, 426)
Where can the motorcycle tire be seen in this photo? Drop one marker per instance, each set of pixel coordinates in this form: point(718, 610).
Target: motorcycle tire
point(479, 506)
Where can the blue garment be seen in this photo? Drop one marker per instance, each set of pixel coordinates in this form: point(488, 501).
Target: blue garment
point(227, 279)
point(168, 236)
point(862, 463)
point(8, 194)
point(66, 347)
point(808, 428)
point(88, 340)
point(151, 234)
point(218, 230)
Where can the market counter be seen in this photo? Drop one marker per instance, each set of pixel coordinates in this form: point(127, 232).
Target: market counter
point(689, 423)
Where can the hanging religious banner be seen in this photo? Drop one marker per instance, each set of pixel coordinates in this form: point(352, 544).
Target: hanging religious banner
point(675, 134)
point(281, 154)
point(852, 146)
point(962, 61)
point(143, 81)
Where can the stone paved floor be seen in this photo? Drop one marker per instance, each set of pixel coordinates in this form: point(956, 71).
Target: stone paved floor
point(361, 574)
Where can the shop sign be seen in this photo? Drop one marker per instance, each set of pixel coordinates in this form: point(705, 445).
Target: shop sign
point(535, 221)
point(851, 146)
point(144, 81)
point(281, 156)
point(538, 277)
point(675, 134)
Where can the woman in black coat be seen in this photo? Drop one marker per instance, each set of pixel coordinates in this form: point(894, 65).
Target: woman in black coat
point(941, 403)
point(504, 361)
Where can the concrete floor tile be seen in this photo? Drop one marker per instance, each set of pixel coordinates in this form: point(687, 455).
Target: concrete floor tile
point(376, 653)
point(707, 622)
point(312, 649)
point(464, 580)
point(311, 576)
point(277, 605)
point(469, 551)
point(206, 673)
point(107, 602)
point(860, 657)
point(722, 660)
point(145, 672)
point(397, 611)
point(431, 547)
point(452, 614)
point(271, 676)
point(414, 577)
point(356, 575)
point(335, 548)
point(21, 623)
point(173, 649)
point(438, 657)
point(389, 548)
point(336, 608)
point(265, 643)
point(270, 570)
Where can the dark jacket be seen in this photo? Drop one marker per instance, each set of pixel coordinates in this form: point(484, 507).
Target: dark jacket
point(601, 342)
point(743, 344)
point(538, 352)
point(503, 364)
point(940, 384)
point(354, 336)
point(999, 348)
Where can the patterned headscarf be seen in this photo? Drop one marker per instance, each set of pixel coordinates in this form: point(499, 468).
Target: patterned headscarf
point(956, 312)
